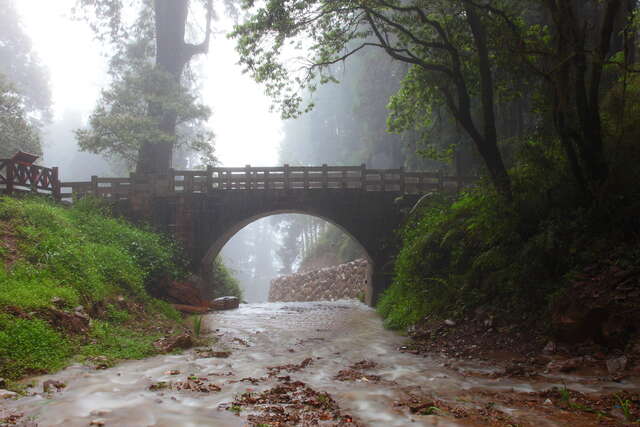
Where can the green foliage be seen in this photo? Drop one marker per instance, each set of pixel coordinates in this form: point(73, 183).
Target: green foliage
point(478, 249)
point(118, 342)
point(197, 326)
point(122, 121)
point(115, 315)
point(223, 282)
point(336, 243)
point(78, 255)
point(29, 346)
point(29, 288)
point(81, 249)
point(20, 63)
point(16, 131)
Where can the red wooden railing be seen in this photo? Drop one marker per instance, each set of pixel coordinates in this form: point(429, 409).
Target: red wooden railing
point(16, 177)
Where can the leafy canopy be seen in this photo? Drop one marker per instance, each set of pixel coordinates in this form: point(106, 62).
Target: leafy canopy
point(16, 131)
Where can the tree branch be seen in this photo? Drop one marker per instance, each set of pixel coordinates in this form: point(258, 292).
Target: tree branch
point(192, 50)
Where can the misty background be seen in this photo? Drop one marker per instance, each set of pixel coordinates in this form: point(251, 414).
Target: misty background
point(62, 71)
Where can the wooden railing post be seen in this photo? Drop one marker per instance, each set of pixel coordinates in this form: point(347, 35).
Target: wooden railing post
point(402, 181)
point(344, 179)
point(247, 177)
point(459, 181)
point(306, 179)
point(32, 171)
point(383, 182)
point(266, 180)
point(286, 177)
point(325, 176)
point(363, 177)
point(172, 181)
point(208, 180)
point(441, 180)
point(55, 184)
point(94, 185)
point(10, 177)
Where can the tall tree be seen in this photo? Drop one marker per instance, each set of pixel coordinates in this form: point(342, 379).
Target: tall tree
point(583, 48)
point(22, 66)
point(167, 22)
point(447, 43)
point(16, 131)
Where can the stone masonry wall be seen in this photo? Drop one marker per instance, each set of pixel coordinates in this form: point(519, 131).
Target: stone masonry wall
point(332, 283)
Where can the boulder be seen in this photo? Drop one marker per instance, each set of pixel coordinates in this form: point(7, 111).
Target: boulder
point(76, 322)
point(224, 303)
point(190, 309)
point(6, 394)
point(168, 344)
point(186, 293)
point(616, 365)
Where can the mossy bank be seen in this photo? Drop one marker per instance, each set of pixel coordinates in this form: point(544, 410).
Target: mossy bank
point(75, 284)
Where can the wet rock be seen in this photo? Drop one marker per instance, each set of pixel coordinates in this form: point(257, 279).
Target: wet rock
point(76, 322)
point(100, 362)
point(616, 365)
point(168, 344)
point(449, 322)
point(3, 383)
point(548, 402)
point(52, 385)
point(567, 365)
point(224, 303)
point(6, 394)
point(185, 293)
point(98, 422)
point(550, 348)
point(191, 309)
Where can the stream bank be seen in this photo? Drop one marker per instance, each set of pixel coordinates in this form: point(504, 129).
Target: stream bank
point(303, 363)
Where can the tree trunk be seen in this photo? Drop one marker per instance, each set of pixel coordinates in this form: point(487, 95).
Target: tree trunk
point(172, 54)
point(487, 143)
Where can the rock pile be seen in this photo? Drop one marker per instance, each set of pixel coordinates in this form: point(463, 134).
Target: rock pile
point(332, 283)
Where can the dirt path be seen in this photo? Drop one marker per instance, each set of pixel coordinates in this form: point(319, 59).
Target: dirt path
point(288, 364)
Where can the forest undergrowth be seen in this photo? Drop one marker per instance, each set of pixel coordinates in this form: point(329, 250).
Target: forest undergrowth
point(477, 252)
point(76, 285)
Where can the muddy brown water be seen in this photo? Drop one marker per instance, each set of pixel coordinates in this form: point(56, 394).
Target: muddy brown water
point(334, 334)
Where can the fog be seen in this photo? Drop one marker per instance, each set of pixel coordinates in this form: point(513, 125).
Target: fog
point(347, 127)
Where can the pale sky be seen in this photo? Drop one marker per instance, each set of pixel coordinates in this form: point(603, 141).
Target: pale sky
point(247, 133)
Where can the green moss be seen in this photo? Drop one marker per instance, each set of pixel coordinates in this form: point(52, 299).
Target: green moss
point(29, 346)
point(117, 342)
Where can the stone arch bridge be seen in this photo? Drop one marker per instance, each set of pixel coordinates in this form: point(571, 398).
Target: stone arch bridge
point(204, 208)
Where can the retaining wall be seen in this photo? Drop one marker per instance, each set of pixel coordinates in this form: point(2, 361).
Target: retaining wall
point(332, 283)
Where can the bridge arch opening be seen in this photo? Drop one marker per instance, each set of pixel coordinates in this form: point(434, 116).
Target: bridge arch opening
point(306, 242)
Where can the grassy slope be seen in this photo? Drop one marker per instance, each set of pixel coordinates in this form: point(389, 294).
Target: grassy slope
point(478, 251)
point(70, 257)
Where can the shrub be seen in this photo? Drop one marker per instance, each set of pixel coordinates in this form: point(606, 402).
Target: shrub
point(223, 282)
point(478, 249)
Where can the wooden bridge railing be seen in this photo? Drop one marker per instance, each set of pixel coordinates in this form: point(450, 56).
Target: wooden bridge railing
point(16, 177)
point(271, 178)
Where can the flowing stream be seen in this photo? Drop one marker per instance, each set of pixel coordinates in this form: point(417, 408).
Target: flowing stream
point(335, 335)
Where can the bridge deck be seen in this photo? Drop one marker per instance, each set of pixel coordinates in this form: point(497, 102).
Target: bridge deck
point(15, 177)
point(270, 178)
